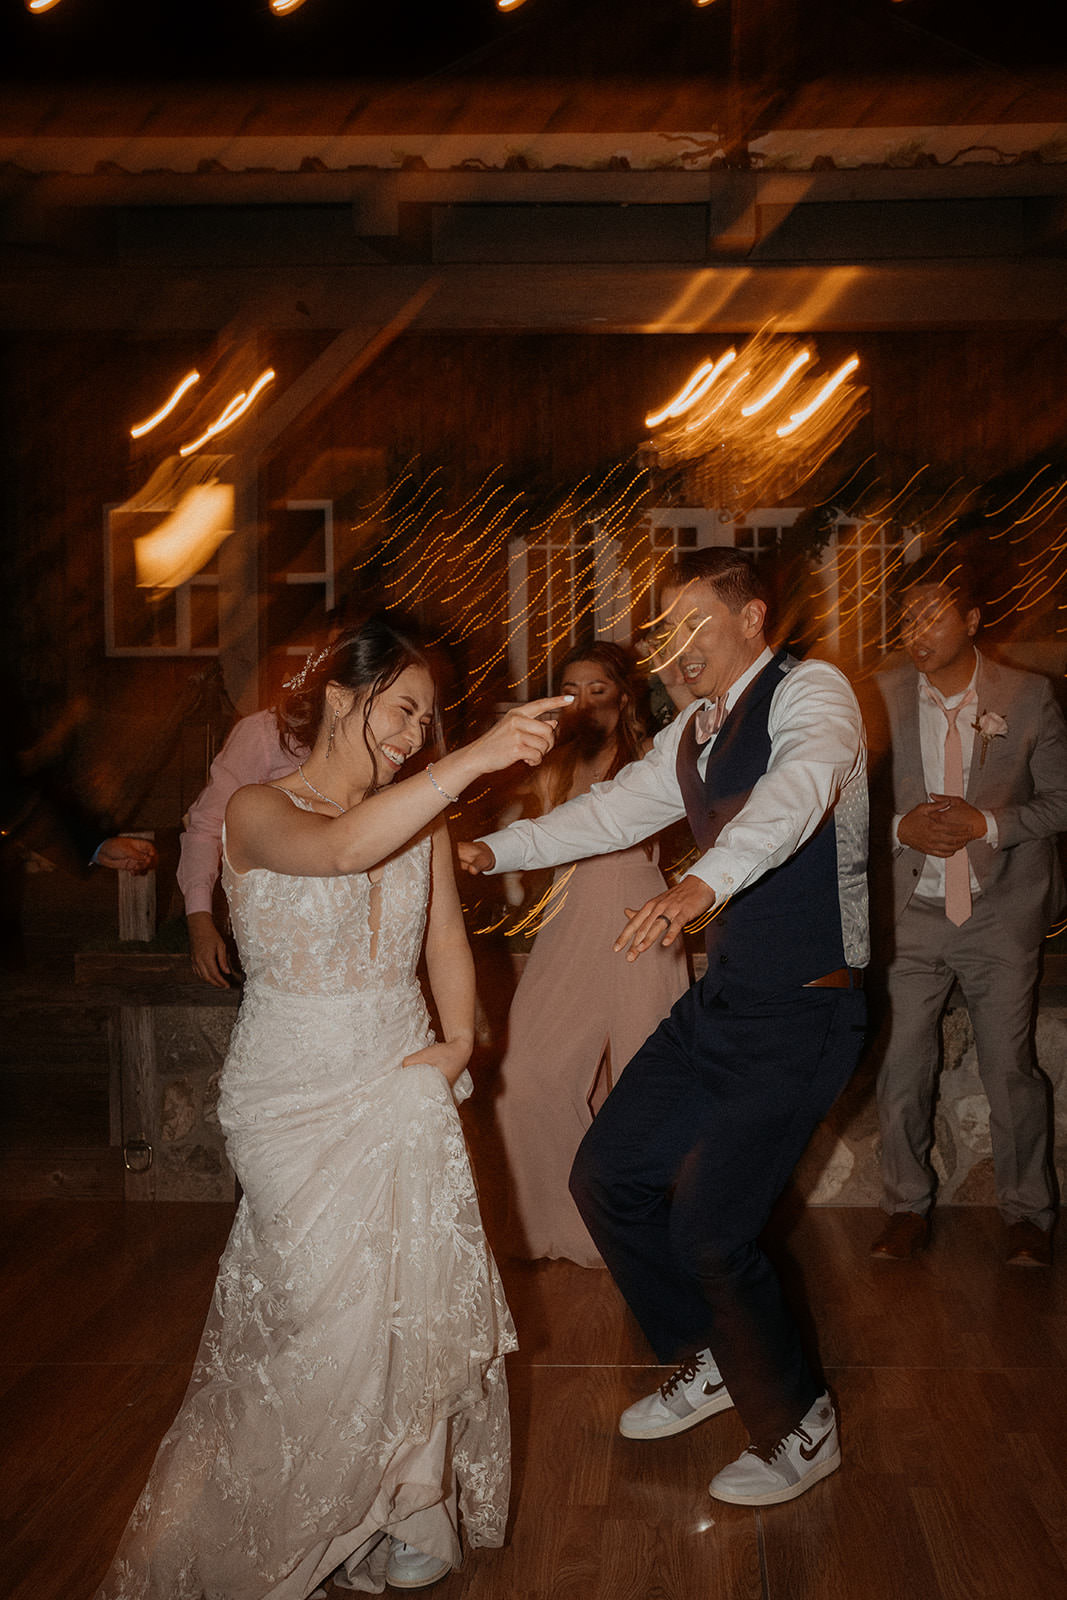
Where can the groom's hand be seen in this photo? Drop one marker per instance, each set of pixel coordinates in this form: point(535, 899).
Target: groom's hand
point(475, 857)
point(660, 921)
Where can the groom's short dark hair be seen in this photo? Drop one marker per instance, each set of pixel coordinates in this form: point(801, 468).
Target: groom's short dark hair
point(733, 573)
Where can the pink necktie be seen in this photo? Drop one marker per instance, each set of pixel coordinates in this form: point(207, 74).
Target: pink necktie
point(709, 719)
point(958, 866)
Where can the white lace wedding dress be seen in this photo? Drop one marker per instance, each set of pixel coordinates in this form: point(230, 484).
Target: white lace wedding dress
point(350, 1378)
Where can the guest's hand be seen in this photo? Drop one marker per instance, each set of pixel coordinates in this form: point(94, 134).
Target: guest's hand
point(449, 1056)
point(207, 949)
point(475, 857)
point(124, 854)
point(959, 811)
point(941, 826)
point(660, 921)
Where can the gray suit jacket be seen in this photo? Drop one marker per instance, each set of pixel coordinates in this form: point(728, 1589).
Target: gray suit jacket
point(1022, 781)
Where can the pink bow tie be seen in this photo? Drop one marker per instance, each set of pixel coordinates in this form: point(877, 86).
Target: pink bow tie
point(709, 719)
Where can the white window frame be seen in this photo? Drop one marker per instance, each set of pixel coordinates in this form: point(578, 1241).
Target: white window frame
point(326, 579)
point(182, 604)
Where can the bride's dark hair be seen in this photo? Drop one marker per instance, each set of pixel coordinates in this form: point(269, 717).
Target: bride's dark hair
point(366, 658)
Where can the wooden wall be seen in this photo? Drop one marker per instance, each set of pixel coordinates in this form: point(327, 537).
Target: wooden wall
point(545, 409)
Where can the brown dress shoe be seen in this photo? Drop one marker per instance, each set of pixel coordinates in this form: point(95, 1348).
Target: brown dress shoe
point(1028, 1245)
point(905, 1233)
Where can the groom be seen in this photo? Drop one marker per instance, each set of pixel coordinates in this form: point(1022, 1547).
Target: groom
point(677, 1176)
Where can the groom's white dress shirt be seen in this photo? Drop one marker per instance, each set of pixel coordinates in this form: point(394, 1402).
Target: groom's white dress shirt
point(817, 760)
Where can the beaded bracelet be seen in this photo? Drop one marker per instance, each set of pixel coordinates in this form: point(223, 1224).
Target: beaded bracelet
point(454, 798)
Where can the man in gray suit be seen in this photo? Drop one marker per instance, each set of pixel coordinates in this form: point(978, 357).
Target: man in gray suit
point(976, 886)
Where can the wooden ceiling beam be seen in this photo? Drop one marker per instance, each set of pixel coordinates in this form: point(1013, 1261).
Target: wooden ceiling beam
point(147, 301)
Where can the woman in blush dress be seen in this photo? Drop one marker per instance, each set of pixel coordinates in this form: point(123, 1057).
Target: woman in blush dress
point(348, 1405)
point(579, 1012)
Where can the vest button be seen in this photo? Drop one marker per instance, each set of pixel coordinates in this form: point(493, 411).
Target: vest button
point(723, 960)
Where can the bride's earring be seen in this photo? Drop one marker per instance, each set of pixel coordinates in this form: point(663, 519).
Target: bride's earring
point(329, 741)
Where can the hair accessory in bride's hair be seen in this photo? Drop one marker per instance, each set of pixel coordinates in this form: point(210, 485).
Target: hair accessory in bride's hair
point(298, 680)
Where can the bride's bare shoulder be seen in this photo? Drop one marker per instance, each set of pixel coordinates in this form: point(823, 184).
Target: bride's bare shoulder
point(256, 800)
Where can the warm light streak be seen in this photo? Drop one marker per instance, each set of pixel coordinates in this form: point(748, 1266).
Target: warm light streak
point(756, 406)
point(1000, 510)
point(1049, 499)
point(509, 5)
point(832, 384)
point(705, 416)
point(658, 656)
point(282, 8)
point(187, 539)
point(37, 6)
point(698, 924)
point(168, 406)
point(236, 408)
point(893, 500)
point(695, 387)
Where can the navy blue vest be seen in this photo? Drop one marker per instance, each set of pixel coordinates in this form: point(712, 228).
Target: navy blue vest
point(784, 929)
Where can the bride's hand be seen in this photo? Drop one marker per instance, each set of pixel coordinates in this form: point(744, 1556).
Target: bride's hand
point(449, 1057)
point(525, 733)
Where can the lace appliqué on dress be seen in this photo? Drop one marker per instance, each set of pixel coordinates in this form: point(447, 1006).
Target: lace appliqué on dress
point(351, 1369)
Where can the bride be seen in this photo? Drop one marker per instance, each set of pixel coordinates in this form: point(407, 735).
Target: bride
point(348, 1405)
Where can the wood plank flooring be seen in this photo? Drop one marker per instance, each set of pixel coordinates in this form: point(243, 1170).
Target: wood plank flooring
point(950, 1373)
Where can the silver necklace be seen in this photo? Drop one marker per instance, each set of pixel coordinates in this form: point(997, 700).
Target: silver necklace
point(319, 792)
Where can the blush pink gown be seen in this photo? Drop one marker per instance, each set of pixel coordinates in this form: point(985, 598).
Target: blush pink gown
point(579, 1013)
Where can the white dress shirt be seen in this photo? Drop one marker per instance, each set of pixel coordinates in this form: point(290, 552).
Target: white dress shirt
point(817, 762)
point(932, 725)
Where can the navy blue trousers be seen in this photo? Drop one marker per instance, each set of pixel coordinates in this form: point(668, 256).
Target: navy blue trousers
point(678, 1174)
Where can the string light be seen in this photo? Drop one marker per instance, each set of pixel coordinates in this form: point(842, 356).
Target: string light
point(282, 8)
point(166, 408)
point(37, 6)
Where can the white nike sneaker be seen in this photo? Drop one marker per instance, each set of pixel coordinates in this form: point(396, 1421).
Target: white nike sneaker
point(795, 1464)
point(690, 1394)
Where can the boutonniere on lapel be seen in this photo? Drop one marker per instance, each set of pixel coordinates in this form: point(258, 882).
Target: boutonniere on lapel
point(989, 726)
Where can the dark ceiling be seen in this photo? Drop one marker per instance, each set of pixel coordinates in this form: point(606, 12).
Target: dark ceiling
point(145, 40)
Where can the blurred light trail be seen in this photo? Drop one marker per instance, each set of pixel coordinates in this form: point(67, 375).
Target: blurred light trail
point(830, 387)
point(236, 408)
point(168, 406)
point(187, 539)
point(755, 406)
point(695, 388)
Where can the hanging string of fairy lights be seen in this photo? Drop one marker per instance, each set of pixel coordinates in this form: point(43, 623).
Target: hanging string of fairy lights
point(284, 8)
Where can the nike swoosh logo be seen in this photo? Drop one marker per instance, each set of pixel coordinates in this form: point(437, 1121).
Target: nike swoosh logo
point(708, 1389)
point(811, 1451)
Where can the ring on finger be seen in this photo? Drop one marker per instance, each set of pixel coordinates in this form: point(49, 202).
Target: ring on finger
point(662, 917)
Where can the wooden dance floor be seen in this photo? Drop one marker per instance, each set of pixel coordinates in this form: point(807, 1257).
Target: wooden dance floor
point(950, 1373)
